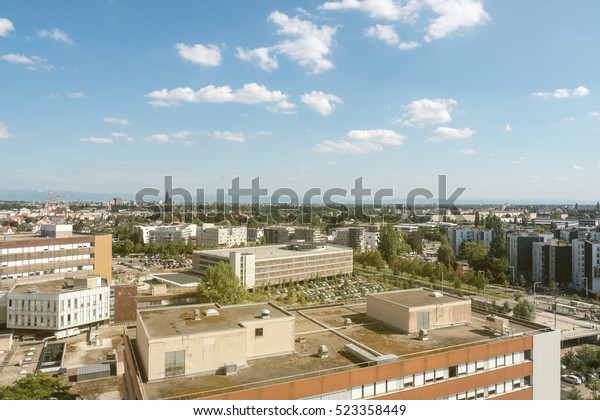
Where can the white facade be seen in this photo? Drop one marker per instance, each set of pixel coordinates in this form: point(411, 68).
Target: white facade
point(456, 237)
point(167, 234)
point(586, 265)
point(222, 236)
point(52, 307)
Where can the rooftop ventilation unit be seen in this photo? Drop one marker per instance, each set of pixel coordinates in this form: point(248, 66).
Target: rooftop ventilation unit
point(33, 290)
point(230, 368)
point(211, 312)
point(196, 314)
point(323, 351)
point(265, 314)
point(347, 322)
point(436, 294)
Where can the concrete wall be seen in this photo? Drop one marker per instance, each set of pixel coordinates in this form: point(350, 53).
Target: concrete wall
point(277, 338)
point(391, 313)
point(103, 256)
point(6, 341)
point(441, 315)
point(546, 366)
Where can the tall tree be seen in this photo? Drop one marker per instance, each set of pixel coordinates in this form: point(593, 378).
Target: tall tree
point(498, 242)
point(37, 387)
point(446, 255)
point(221, 286)
point(391, 243)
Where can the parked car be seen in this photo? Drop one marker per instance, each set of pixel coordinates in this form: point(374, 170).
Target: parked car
point(572, 379)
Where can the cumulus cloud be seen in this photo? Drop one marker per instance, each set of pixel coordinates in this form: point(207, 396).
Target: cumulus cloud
point(114, 120)
point(97, 140)
point(260, 56)
point(234, 136)
point(6, 26)
point(158, 138)
point(55, 34)
point(448, 133)
point(207, 56)
point(578, 167)
point(306, 43)
point(563, 93)
point(428, 111)
point(182, 134)
point(33, 62)
point(122, 136)
point(283, 107)
point(387, 34)
point(519, 161)
point(594, 114)
point(76, 95)
point(361, 142)
point(4, 133)
point(321, 102)
point(468, 152)
point(454, 15)
point(508, 128)
point(378, 9)
point(250, 93)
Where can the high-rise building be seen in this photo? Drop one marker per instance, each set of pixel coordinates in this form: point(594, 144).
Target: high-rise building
point(552, 264)
point(586, 265)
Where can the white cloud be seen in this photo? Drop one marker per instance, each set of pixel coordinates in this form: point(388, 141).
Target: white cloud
point(260, 56)
point(594, 114)
point(234, 136)
point(361, 142)
point(448, 133)
point(207, 56)
point(378, 9)
point(97, 140)
point(4, 133)
point(563, 93)
point(123, 136)
point(454, 15)
point(251, 93)
point(6, 26)
point(519, 161)
point(321, 102)
point(158, 138)
point(578, 168)
point(508, 128)
point(76, 95)
point(306, 43)
point(55, 34)
point(33, 63)
point(428, 111)
point(387, 34)
point(468, 152)
point(284, 107)
point(182, 134)
point(114, 120)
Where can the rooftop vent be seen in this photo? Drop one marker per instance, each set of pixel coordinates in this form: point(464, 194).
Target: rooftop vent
point(196, 314)
point(265, 314)
point(230, 368)
point(436, 294)
point(347, 322)
point(423, 335)
point(33, 290)
point(323, 351)
point(211, 312)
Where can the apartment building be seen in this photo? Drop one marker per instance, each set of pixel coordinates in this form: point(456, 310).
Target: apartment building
point(586, 265)
point(520, 252)
point(211, 236)
point(57, 251)
point(552, 263)
point(458, 235)
point(278, 234)
point(308, 234)
point(183, 232)
point(277, 264)
point(346, 352)
point(59, 305)
point(360, 238)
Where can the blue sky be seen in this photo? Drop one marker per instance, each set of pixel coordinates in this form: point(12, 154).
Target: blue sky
point(111, 96)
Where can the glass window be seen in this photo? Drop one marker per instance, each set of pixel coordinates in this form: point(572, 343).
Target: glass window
point(470, 367)
point(462, 369)
point(258, 332)
point(419, 379)
point(174, 363)
point(368, 390)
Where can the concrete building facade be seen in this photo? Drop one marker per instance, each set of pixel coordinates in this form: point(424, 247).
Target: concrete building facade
point(277, 264)
point(552, 263)
point(586, 265)
point(183, 232)
point(221, 236)
point(33, 258)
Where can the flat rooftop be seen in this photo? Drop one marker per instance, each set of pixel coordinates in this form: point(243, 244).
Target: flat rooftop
point(177, 279)
point(414, 298)
point(37, 237)
point(312, 329)
point(54, 286)
point(179, 320)
point(274, 251)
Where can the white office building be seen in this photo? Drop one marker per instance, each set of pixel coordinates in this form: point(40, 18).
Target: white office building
point(169, 233)
point(211, 236)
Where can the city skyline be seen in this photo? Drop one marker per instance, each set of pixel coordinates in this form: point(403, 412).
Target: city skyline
point(110, 97)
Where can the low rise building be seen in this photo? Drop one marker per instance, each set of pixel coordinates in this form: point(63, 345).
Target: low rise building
point(221, 236)
point(181, 232)
point(278, 264)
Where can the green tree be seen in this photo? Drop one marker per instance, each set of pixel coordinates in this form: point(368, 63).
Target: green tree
point(524, 309)
point(594, 386)
point(475, 253)
point(446, 255)
point(415, 241)
point(37, 387)
point(522, 280)
point(498, 242)
point(221, 285)
point(574, 394)
point(391, 243)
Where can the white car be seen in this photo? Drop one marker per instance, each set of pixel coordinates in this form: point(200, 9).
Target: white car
point(572, 379)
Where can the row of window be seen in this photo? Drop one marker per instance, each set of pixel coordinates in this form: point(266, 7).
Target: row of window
point(23, 263)
point(45, 272)
point(491, 391)
point(41, 248)
point(19, 320)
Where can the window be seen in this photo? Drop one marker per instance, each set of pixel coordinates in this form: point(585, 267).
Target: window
point(174, 363)
point(258, 332)
point(423, 320)
point(453, 371)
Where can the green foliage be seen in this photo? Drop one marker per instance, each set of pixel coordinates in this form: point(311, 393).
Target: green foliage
point(37, 387)
point(522, 280)
point(415, 241)
point(594, 386)
point(498, 242)
point(446, 255)
point(475, 253)
point(574, 394)
point(391, 243)
point(221, 286)
point(370, 258)
point(524, 309)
